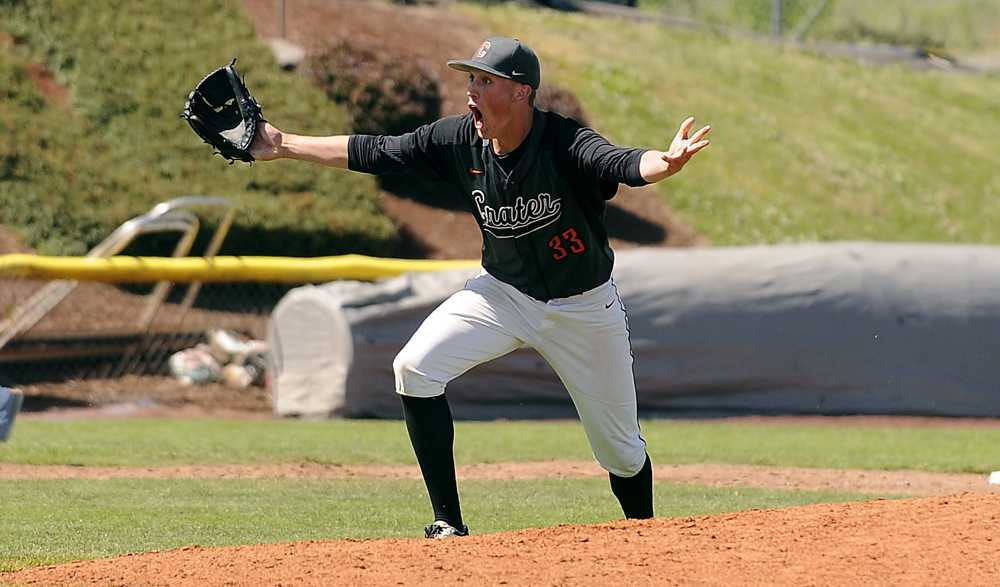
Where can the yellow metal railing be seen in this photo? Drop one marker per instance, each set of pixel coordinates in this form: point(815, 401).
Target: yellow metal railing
point(217, 269)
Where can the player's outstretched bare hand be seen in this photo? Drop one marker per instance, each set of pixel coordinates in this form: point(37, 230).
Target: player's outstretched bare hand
point(659, 165)
point(685, 145)
point(266, 145)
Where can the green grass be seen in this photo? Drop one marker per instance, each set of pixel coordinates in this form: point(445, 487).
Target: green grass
point(148, 443)
point(69, 175)
point(804, 148)
point(934, 24)
point(47, 522)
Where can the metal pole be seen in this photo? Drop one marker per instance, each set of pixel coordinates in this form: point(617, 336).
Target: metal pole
point(776, 18)
point(281, 19)
point(803, 27)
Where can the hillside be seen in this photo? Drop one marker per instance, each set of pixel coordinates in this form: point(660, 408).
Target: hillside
point(435, 34)
point(805, 148)
point(74, 169)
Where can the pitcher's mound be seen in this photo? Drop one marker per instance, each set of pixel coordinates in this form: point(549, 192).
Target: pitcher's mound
point(929, 541)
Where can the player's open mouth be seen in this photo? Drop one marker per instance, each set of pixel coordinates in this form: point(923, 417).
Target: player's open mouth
point(477, 117)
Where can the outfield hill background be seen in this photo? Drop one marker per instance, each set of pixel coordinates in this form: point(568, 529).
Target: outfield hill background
point(961, 28)
point(70, 172)
point(805, 147)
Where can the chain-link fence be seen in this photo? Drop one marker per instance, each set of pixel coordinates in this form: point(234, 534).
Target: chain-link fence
point(99, 330)
point(95, 328)
point(940, 25)
point(56, 331)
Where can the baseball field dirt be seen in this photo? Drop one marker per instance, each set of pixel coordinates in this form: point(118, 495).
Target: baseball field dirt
point(919, 541)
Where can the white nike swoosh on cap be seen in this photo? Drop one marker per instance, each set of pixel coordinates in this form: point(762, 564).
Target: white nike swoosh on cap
point(517, 73)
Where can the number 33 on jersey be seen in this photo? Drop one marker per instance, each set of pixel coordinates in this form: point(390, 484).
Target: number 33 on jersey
point(568, 239)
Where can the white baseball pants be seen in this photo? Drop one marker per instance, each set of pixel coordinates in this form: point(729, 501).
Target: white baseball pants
point(583, 337)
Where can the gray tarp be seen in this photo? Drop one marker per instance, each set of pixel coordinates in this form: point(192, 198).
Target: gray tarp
point(822, 328)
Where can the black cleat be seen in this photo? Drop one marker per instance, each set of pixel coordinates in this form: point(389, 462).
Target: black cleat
point(440, 530)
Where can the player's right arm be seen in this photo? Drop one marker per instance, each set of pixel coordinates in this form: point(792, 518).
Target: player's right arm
point(272, 143)
point(425, 151)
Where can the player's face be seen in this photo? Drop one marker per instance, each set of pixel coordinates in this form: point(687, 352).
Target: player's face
point(491, 100)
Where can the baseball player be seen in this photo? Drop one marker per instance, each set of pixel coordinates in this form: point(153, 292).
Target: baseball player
point(538, 185)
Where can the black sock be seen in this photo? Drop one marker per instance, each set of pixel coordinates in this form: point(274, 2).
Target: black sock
point(635, 494)
point(432, 434)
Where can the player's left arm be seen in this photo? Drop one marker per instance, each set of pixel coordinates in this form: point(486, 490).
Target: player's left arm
point(656, 166)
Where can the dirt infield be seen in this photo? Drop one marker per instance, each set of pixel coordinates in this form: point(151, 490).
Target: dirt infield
point(925, 541)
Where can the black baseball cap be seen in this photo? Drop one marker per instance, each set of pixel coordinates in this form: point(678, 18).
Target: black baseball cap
point(504, 57)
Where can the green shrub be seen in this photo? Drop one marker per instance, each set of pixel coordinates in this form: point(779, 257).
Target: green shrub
point(558, 99)
point(384, 94)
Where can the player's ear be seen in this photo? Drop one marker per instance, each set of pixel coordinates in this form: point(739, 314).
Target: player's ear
point(523, 91)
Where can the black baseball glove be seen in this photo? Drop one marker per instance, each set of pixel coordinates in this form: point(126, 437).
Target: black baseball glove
point(224, 114)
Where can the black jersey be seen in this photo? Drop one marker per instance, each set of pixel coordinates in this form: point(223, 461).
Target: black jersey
point(542, 223)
